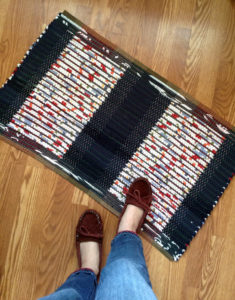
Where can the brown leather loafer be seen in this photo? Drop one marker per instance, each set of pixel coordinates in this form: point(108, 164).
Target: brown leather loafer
point(139, 194)
point(89, 228)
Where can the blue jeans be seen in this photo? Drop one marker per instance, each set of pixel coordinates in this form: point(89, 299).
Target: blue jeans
point(125, 275)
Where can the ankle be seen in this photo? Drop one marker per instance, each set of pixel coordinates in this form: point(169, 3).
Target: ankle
point(130, 219)
point(90, 255)
point(88, 266)
point(127, 226)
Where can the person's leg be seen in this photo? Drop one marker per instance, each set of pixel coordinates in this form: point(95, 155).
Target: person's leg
point(125, 275)
point(81, 285)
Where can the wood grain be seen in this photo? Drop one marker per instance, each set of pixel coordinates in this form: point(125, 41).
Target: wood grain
point(189, 42)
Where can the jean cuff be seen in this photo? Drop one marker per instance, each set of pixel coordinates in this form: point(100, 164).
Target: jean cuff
point(130, 235)
point(86, 270)
point(127, 231)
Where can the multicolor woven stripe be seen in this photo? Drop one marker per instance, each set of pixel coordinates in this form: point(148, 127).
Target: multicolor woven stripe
point(104, 119)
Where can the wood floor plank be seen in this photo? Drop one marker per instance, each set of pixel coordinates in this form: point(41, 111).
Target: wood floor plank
point(199, 30)
point(189, 42)
point(224, 95)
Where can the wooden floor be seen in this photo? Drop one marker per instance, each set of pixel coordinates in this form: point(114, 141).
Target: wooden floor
point(189, 42)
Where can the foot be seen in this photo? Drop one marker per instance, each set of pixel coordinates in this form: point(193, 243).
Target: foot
point(89, 237)
point(138, 201)
point(90, 256)
point(131, 218)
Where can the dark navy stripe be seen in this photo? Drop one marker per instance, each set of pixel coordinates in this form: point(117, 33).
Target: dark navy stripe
point(115, 132)
point(199, 203)
point(33, 68)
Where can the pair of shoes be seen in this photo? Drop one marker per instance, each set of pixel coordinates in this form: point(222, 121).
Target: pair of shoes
point(90, 226)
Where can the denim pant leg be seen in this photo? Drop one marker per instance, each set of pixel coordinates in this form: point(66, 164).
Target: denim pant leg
point(80, 285)
point(125, 275)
